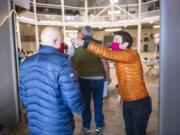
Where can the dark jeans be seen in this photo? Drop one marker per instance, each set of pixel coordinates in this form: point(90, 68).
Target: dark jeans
point(95, 88)
point(136, 115)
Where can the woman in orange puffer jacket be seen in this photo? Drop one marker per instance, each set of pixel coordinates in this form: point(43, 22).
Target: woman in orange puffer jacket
point(132, 89)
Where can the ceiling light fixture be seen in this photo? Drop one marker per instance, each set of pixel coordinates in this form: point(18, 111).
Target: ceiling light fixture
point(156, 26)
point(151, 22)
point(112, 30)
point(113, 1)
point(91, 15)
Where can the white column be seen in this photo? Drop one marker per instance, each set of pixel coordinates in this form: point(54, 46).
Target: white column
point(18, 34)
point(139, 38)
point(139, 27)
point(63, 17)
point(36, 26)
point(86, 11)
point(112, 12)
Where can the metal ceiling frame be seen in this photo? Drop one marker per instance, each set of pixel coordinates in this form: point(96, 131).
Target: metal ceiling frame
point(98, 20)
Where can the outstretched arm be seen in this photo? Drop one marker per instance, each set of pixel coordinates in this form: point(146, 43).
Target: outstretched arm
point(103, 52)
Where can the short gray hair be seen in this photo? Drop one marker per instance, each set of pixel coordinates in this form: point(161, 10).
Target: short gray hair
point(87, 31)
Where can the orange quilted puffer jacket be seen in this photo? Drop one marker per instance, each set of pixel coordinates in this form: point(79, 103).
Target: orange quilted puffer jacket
point(128, 70)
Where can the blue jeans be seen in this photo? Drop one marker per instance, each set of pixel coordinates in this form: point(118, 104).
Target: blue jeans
point(95, 88)
point(136, 115)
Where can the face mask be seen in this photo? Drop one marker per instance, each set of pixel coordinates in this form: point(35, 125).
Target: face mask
point(62, 47)
point(116, 46)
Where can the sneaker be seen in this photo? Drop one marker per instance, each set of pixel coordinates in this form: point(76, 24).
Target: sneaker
point(86, 130)
point(99, 129)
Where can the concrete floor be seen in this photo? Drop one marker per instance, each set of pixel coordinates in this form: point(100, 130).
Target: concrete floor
point(112, 111)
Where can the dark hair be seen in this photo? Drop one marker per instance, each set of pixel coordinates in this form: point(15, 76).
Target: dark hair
point(126, 37)
point(87, 31)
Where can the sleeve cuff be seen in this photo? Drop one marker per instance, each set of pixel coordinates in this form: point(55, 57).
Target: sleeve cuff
point(85, 44)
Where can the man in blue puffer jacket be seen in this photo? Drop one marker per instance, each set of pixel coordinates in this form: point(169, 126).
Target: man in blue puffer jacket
point(49, 89)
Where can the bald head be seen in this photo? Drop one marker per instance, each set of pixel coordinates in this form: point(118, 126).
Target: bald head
point(52, 36)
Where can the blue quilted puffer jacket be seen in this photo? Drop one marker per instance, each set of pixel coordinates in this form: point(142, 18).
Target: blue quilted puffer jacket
point(50, 92)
